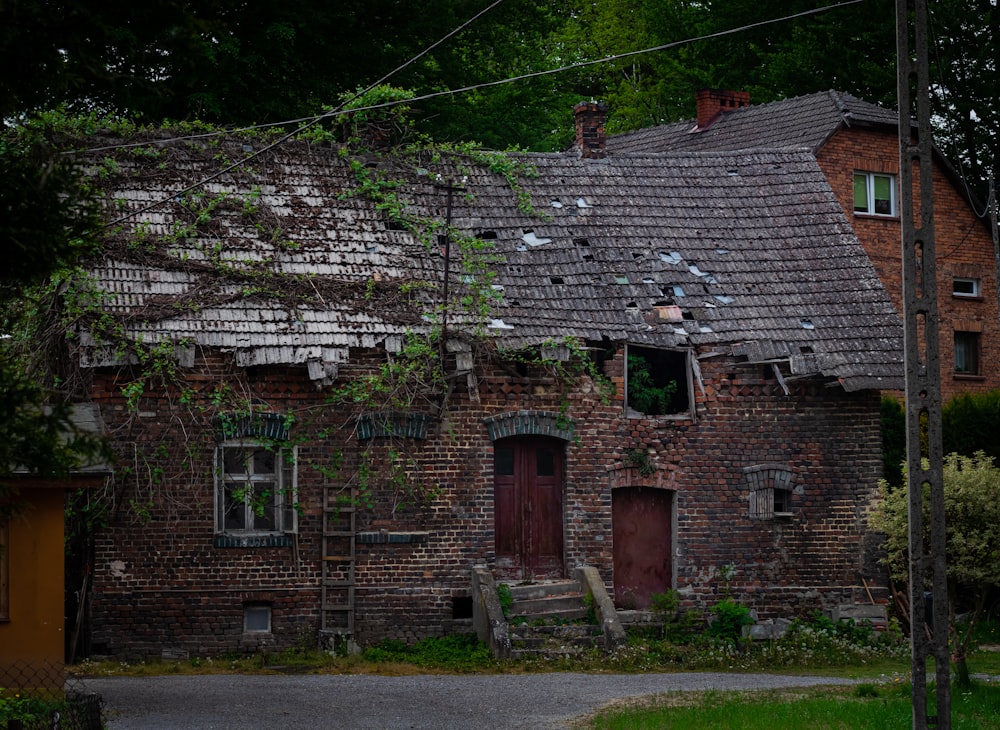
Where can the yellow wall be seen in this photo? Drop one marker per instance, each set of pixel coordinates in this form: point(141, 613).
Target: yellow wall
point(32, 642)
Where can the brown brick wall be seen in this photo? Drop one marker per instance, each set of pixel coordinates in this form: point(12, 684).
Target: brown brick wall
point(160, 583)
point(963, 244)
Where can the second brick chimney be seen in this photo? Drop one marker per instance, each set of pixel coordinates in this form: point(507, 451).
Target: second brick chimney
point(590, 137)
point(712, 102)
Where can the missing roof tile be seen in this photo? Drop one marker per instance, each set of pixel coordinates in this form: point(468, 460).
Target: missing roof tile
point(672, 258)
point(557, 280)
point(581, 242)
point(531, 239)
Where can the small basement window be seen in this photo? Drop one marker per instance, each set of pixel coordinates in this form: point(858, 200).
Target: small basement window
point(256, 619)
point(657, 382)
point(966, 287)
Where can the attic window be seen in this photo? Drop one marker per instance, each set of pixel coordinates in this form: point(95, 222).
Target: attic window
point(657, 382)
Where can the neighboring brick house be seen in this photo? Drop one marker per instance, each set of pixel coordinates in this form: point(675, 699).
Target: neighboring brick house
point(264, 352)
point(856, 145)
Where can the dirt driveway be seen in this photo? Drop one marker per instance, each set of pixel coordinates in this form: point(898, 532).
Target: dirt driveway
point(356, 702)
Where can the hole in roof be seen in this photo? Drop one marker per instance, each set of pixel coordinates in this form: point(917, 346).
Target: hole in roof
point(582, 242)
point(807, 324)
point(582, 203)
point(392, 225)
point(722, 251)
point(557, 280)
point(670, 258)
point(679, 291)
point(487, 235)
point(647, 280)
point(687, 315)
point(556, 204)
point(662, 303)
point(521, 247)
point(732, 172)
point(693, 268)
point(637, 254)
point(531, 239)
point(631, 305)
point(588, 257)
point(724, 299)
point(704, 328)
point(805, 350)
point(621, 279)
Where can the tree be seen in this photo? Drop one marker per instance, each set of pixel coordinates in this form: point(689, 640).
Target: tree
point(972, 519)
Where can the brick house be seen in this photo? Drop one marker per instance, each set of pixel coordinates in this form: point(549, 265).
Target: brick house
point(328, 406)
point(856, 146)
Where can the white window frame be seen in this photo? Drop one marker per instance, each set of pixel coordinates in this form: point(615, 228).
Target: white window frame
point(869, 209)
point(976, 286)
point(285, 488)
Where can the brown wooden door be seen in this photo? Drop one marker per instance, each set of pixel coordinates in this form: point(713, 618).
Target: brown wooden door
point(641, 523)
point(527, 479)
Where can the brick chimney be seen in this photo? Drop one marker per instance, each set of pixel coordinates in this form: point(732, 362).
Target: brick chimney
point(590, 136)
point(712, 102)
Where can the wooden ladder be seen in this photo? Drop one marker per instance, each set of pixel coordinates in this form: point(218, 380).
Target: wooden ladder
point(337, 601)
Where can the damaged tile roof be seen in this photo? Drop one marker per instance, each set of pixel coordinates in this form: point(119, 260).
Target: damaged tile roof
point(746, 253)
point(803, 122)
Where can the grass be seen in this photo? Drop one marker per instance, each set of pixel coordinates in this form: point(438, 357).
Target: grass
point(865, 706)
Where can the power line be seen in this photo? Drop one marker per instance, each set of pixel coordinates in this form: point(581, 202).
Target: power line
point(315, 120)
point(336, 111)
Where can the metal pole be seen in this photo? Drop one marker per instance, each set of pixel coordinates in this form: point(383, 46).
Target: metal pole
point(924, 460)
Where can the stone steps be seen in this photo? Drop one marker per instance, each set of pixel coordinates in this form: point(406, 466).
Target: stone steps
point(550, 619)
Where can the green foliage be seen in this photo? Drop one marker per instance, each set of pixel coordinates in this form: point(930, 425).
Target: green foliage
point(893, 421)
point(29, 710)
point(729, 618)
point(48, 216)
point(505, 597)
point(972, 517)
point(972, 521)
point(884, 705)
point(455, 652)
point(644, 393)
point(678, 626)
point(970, 422)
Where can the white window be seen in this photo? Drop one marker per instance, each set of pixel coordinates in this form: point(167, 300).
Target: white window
point(255, 489)
point(966, 287)
point(874, 193)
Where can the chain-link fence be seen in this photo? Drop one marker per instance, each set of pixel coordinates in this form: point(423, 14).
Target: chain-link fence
point(39, 696)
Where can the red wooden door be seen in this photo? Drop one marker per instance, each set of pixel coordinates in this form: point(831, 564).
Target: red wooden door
point(527, 488)
point(641, 524)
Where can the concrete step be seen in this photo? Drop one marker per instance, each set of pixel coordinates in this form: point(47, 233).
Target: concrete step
point(542, 589)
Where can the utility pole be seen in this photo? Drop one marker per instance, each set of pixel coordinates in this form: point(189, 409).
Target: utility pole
point(924, 460)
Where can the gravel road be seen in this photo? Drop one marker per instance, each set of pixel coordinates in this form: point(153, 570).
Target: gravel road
point(356, 702)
